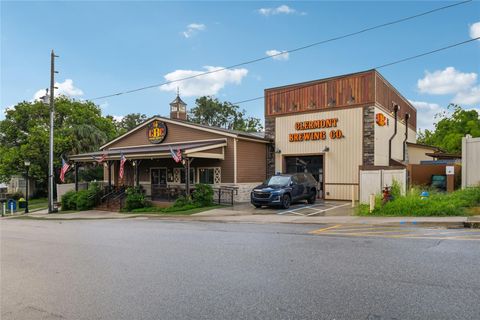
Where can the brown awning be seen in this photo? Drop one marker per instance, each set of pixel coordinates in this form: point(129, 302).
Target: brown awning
point(195, 149)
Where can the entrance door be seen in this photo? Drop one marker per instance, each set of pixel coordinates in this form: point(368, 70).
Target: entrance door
point(311, 164)
point(158, 180)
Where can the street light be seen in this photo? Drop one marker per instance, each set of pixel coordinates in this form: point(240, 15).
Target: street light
point(27, 166)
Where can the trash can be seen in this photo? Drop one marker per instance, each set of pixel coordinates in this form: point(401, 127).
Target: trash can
point(22, 204)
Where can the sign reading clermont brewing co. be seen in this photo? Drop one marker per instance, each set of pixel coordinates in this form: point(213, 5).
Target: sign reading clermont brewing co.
point(316, 135)
point(156, 131)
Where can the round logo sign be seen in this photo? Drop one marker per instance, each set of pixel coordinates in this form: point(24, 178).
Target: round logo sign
point(156, 131)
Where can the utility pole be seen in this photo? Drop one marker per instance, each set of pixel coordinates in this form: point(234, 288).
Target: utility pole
point(51, 184)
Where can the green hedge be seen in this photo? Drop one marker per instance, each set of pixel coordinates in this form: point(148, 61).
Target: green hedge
point(81, 200)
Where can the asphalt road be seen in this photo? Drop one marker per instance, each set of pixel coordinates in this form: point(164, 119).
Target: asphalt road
point(150, 269)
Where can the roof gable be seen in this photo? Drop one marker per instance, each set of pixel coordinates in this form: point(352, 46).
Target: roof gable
point(177, 131)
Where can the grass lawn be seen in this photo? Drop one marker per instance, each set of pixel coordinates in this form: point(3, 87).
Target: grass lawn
point(171, 211)
point(37, 204)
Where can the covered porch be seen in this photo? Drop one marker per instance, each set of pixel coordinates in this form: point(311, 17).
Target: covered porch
point(153, 168)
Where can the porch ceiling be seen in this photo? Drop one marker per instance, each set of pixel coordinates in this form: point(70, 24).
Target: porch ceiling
point(192, 149)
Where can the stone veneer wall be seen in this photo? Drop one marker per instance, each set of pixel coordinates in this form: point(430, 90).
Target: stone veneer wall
point(369, 135)
point(244, 190)
point(270, 134)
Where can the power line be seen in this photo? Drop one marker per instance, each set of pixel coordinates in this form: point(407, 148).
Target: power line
point(377, 67)
point(287, 51)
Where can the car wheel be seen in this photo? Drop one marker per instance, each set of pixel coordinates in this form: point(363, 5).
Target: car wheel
point(286, 201)
point(257, 206)
point(312, 198)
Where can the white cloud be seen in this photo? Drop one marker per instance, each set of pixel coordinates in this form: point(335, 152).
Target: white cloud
point(475, 30)
point(193, 28)
point(118, 118)
point(283, 9)
point(64, 88)
point(209, 84)
point(426, 113)
point(277, 55)
point(468, 97)
point(446, 81)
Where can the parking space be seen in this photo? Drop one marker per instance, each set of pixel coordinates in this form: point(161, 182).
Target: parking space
point(320, 208)
point(436, 233)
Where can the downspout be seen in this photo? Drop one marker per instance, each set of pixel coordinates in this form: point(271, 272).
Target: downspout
point(407, 116)
point(395, 110)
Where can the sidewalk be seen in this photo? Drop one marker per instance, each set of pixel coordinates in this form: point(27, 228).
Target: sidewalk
point(229, 216)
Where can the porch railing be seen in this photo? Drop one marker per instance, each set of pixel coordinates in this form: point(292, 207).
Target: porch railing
point(224, 195)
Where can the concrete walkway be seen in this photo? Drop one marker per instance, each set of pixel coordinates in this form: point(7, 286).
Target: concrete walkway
point(232, 216)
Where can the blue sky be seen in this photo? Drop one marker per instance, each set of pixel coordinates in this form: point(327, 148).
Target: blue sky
point(108, 47)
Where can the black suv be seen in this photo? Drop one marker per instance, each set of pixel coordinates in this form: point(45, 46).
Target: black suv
point(283, 189)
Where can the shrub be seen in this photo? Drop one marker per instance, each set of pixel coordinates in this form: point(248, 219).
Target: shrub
point(135, 199)
point(203, 195)
point(182, 201)
point(85, 200)
point(69, 200)
point(396, 190)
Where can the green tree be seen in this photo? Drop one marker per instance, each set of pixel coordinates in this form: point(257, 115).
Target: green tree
point(24, 134)
point(130, 121)
point(450, 128)
point(210, 111)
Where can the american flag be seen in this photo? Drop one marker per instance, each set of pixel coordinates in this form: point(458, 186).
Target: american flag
point(122, 163)
point(102, 158)
point(65, 167)
point(177, 156)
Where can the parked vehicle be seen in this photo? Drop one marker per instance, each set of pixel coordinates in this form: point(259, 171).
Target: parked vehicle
point(284, 189)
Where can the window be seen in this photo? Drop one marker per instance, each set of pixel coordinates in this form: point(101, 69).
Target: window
point(207, 175)
point(192, 175)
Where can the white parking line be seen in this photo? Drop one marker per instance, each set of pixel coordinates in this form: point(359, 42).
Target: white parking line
point(313, 207)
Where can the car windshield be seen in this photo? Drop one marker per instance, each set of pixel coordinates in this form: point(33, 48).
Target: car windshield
point(277, 181)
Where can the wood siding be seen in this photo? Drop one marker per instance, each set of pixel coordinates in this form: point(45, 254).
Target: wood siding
point(342, 160)
point(359, 89)
point(176, 133)
point(385, 95)
point(251, 161)
point(322, 94)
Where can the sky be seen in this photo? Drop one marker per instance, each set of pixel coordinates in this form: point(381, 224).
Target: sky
point(106, 47)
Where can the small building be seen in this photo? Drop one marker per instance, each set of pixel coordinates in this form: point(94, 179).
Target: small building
point(216, 156)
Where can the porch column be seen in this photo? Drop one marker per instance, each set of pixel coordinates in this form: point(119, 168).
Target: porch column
point(187, 177)
point(76, 175)
point(137, 173)
point(109, 167)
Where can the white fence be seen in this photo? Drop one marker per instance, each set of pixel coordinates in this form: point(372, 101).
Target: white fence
point(372, 181)
point(470, 161)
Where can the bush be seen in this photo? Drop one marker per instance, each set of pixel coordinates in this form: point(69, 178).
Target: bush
point(203, 195)
point(85, 200)
point(135, 199)
point(182, 201)
point(69, 200)
point(396, 190)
